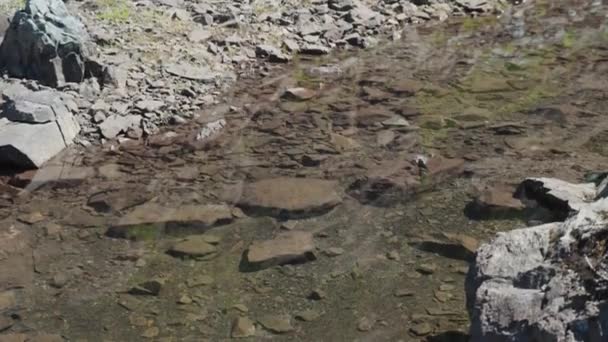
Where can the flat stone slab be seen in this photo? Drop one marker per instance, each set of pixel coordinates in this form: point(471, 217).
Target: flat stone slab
point(290, 196)
point(286, 248)
point(151, 219)
point(195, 246)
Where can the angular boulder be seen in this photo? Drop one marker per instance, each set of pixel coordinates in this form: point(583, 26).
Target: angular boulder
point(549, 282)
point(44, 42)
point(34, 126)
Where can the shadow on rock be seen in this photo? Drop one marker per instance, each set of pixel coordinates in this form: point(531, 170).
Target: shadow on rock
point(449, 336)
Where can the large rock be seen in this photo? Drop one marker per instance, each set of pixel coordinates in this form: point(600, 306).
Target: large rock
point(34, 126)
point(150, 220)
point(286, 248)
point(549, 282)
point(44, 42)
point(290, 196)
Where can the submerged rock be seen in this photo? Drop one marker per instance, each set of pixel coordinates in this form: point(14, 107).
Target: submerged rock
point(149, 220)
point(290, 196)
point(44, 42)
point(286, 248)
point(549, 282)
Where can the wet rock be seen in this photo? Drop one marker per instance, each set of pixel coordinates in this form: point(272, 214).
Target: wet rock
point(384, 138)
point(59, 280)
point(203, 280)
point(276, 323)
point(497, 201)
point(117, 200)
point(421, 329)
point(34, 126)
point(148, 288)
point(242, 327)
point(365, 324)
point(528, 282)
point(151, 219)
point(426, 268)
point(334, 251)
point(317, 295)
point(403, 293)
point(289, 196)
point(44, 42)
point(308, 315)
point(384, 184)
point(194, 246)
point(287, 248)
point(299, 94)
point(151, 332)
point(455, 246)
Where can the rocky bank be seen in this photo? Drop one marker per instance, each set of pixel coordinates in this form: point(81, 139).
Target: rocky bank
point(547, 282)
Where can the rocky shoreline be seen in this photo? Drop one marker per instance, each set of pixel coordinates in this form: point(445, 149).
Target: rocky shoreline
point(547, 282)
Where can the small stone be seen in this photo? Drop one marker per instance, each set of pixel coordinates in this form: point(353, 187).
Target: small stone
point(365, 324)
point(194, 246)
point(421, 329)
point(308, 315)
point(138, 320)
point(242, 327)
point(203, 280)
point(317, 294)
point(334, 251)
point(276, 323)
point(185, 299)
point(151, 288)
point(393, 255)
point(151, 332)
point(299, 94)
point(211, 239)
point(59, 280)
point(447, 287)
point(241, 307)
point(441, 296)
point(289, 225)
point(31, 218)
point(404, 293)
point(426, 268)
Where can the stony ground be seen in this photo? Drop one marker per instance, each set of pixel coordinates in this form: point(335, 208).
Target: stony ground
point(330, 199)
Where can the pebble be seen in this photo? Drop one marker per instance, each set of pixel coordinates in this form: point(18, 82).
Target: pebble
point(151, 332)
point(364, 324)
point(393, 255)
point(334, 251)
point(308, 315)
point(242, 327)
point(276, 323)
point(426, 268)
point(317, 294)
point(404, 293)
point(185, 299)
point(421, 329)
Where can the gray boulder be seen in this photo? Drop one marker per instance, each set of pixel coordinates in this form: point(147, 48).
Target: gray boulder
point(34, 126)
point(549, 282)
point(44, 42)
